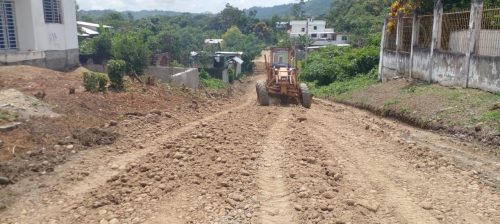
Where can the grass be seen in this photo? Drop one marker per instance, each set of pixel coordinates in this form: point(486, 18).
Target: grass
point(492, 116)
point(213, 83)
point(6, 116)
point(453, 107)
point(343, 89)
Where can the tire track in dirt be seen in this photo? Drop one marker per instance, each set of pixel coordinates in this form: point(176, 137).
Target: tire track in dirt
point(427, 192)
point(51, 194)
point(465, 155)
point(273, 192)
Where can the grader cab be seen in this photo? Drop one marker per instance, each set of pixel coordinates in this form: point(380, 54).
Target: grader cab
point(282, 81)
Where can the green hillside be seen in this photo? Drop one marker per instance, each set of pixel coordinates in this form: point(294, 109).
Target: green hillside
point(312, 8)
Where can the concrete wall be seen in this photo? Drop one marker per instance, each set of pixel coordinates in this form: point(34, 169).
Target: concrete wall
point(488, 42)
point(55, 60)
point(54, 46)
point(420, 68)
point(485, 73)
point(449, 69)
point(188, 77)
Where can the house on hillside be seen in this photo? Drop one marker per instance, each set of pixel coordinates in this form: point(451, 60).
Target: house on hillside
point(39, 32)
point(317, 31)
point(86, 29)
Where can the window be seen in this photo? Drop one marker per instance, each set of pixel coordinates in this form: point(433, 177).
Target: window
point(344, 38)
point(324, 35)
point(334, 38)
point(315, 28)
point(314, 35)
point(8, 38)
point(52, 11)
point(303, 29)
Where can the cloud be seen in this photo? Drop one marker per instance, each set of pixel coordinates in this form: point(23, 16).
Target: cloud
point(195, 6)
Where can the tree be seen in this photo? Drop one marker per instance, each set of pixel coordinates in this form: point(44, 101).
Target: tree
point(363, 19)
point(235, 40)
point(298, 10)
point(133, 50)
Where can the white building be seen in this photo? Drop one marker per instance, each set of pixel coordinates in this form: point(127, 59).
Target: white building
point(317, 31)
point(86, 29)
point(39, 32)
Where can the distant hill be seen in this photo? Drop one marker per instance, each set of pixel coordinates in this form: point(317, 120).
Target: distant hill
point(311, 8)
point(94, 14)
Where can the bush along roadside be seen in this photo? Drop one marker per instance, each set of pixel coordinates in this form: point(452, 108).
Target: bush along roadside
point(95, 81)
point(211, 83)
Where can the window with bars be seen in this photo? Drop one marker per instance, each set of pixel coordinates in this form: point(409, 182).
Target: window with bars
point(52, 11)
point(8, 37)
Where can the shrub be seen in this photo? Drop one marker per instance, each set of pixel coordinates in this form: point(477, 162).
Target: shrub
point(133, 50)
point(95, 82)
point(116, 71)
point(338, 64)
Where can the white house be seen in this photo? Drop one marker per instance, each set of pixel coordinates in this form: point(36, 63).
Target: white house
point(86, 29)
point(39, 32)
point(317, 31)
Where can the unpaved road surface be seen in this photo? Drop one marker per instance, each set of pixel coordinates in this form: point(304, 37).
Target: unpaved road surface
point(252, 164)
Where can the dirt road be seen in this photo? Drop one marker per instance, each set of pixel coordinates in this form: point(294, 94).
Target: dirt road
point(251, 164)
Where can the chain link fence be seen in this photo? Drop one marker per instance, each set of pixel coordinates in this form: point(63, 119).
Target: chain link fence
point(453, 34)
point(489, 37)
point(391, 34)
point(454, 29)
point(424, 36)
point(407, 28)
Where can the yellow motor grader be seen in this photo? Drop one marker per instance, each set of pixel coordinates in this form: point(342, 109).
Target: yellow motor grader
point(282, 81)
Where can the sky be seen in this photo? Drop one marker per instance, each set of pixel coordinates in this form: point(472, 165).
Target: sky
point(195, 6)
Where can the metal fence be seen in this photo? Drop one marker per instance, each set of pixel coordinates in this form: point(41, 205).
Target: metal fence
point(454, 27)
point(424, 36)
point(390, 43)
point(407, 30)
point(452, 36)
point(489, 37)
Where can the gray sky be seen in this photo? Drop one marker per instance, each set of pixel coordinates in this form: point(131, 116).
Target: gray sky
point(175, 5)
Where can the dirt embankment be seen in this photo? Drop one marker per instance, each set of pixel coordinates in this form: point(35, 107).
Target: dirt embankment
point(467, 114)
point(56, 124)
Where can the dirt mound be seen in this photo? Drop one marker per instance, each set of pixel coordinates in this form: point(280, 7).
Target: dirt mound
point(25, 106)
point(96, 136)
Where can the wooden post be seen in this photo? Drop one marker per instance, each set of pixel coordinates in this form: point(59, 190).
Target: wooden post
point(476, 14)
point(436, 35)
point(414, 32)
point(382, 46)
point(399, 34)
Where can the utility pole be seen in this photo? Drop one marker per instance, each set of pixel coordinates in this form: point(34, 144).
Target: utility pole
point(306, 45)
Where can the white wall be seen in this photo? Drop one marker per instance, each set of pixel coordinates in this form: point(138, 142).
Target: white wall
point(299, 24)
point(46, 36)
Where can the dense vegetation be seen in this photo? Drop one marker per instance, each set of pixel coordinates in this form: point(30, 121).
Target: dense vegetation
point(133, 40)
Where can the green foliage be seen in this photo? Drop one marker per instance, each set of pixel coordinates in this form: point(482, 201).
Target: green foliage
point(87, 47)
point(116, 71)
point(95, 82)
point(345, 87)
point(133, 50)
point(363, 19)
point(7, 116)
point(492, 116)
point(333, 64)
point(211, 83)
point(251, 46)
point(175, 63)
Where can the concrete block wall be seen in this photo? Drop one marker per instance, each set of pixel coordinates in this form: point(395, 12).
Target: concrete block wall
point(469, 62)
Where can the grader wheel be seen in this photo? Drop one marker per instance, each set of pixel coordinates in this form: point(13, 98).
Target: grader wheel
point(262, 94)
point(306, 96)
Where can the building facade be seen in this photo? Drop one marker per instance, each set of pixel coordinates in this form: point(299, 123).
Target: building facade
point(317, 31)
point(39, 32)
